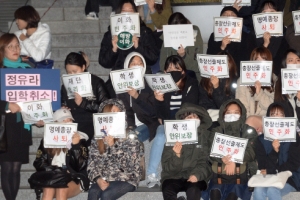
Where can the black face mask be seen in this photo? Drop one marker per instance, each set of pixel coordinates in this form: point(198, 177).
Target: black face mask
point(176, 75)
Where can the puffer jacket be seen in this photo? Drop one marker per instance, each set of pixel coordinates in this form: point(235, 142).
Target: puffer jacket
point(236, 129)
point(144, 106)
point(258, 103)
point(286, 159)
point(76, 161)
point(38, 45)
point(194, 157)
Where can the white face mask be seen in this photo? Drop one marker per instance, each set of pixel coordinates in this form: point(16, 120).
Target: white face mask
point(231, 117)
point(197, 122)
point(136, 66)
point(292, 66)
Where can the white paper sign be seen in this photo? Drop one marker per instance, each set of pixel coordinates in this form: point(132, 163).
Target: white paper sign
point(179, 34)
point(296, 19)
point(122, 79)
point(252, 71)
point(80, 83)
point(109, 124)
point(142, 2)
point(224, 26)
point(125, 22)
point(224, 145)
point(58, 135)
point(216, 65)
point(283, 129)
point(161, 82)
point(34, 111)
point(231, 2)
point(268, 22)
point(290, 81)
point(184, 131)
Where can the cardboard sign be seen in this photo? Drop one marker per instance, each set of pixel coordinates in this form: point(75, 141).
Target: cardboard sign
point(281, 128)
point(179, 34)
point(125, 22)
point(161, 82)
point(142, 2)
point(216, 65)
point(252, 71)
point(80, 83)
point(224, 26)
point(231, 2)
point(296, 19)
point(18, 85)
point(184, 131)
point(122, 79)
point(224, 145)
point(290, 81)
point(109, 124)
point(268, 22)
point(58, 135)
point(34, 111)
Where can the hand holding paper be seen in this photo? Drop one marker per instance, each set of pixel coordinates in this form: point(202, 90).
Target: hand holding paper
point(114, 42)
point(236, 5)
point(226, 159)
point(75, 138)
point(267, 37)
point(13, 107)
point(151, 4)
point(109, 140)
point(225, 42)
point(192, 179)
point(257, 86)
point(177, 148)
point(133, 92)
point(214, 81)
point(77, 98)
point(158, 96)
point(181, 51)
point(135, 41)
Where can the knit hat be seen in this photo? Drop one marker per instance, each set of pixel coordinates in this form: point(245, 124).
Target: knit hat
point(230, 8)
point(61, 114)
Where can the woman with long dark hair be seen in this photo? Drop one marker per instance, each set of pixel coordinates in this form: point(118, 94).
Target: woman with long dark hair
point(18, 134)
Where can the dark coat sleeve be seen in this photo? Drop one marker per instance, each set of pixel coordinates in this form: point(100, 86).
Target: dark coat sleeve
point(107, 58)
point(77, 157)
point(147, 46)
point(145, 101)
point(125, 97)
point(41, 161)
point(219, 96)
point(3, 105)
point(191, 92)
point(100, 93)
point(204, 99)
point(213, 47)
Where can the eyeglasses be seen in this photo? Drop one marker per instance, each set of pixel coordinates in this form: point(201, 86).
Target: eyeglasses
point(12, 47)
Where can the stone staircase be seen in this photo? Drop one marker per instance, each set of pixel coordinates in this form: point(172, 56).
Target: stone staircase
point(72, 32)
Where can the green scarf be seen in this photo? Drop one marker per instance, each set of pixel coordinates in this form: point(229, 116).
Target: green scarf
point(15, 64)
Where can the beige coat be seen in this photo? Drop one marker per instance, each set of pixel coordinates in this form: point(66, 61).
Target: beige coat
point(263, 99)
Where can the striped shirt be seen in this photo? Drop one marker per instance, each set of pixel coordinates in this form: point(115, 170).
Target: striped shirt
point(175, 101)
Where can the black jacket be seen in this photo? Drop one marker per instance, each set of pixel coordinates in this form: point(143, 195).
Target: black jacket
point(218, 95)
point(240, 51)
point(83, 114)
point(76, 162)
point(147, 47)
point(144, 107)
point(190, 94)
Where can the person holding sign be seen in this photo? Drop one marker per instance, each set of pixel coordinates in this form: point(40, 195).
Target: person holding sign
point(214, 91)
point(114, 164)
point(277, 45)
point(291, 101)
point(18, 134)
point(185, 167)
point(188, 54)
point(155, 15)
point(69, 164)
point(34, 37)
point(257, 98)
point(112, 57)
point(82, 108)
point(229, 178)
point(275, 156)
point(140, 104)
point(238, 50)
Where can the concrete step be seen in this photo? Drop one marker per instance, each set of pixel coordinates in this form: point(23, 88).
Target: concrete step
point(77, 40)
point(69, 14)
point(60, 54)
point(58, 3)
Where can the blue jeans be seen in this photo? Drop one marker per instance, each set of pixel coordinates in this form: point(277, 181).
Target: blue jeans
point(143, 133)
point(115, 190)
point(156, 151)
point(273, 193)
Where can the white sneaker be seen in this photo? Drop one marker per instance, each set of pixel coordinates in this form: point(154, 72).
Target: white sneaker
point(151, 180)
point(92, 15)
